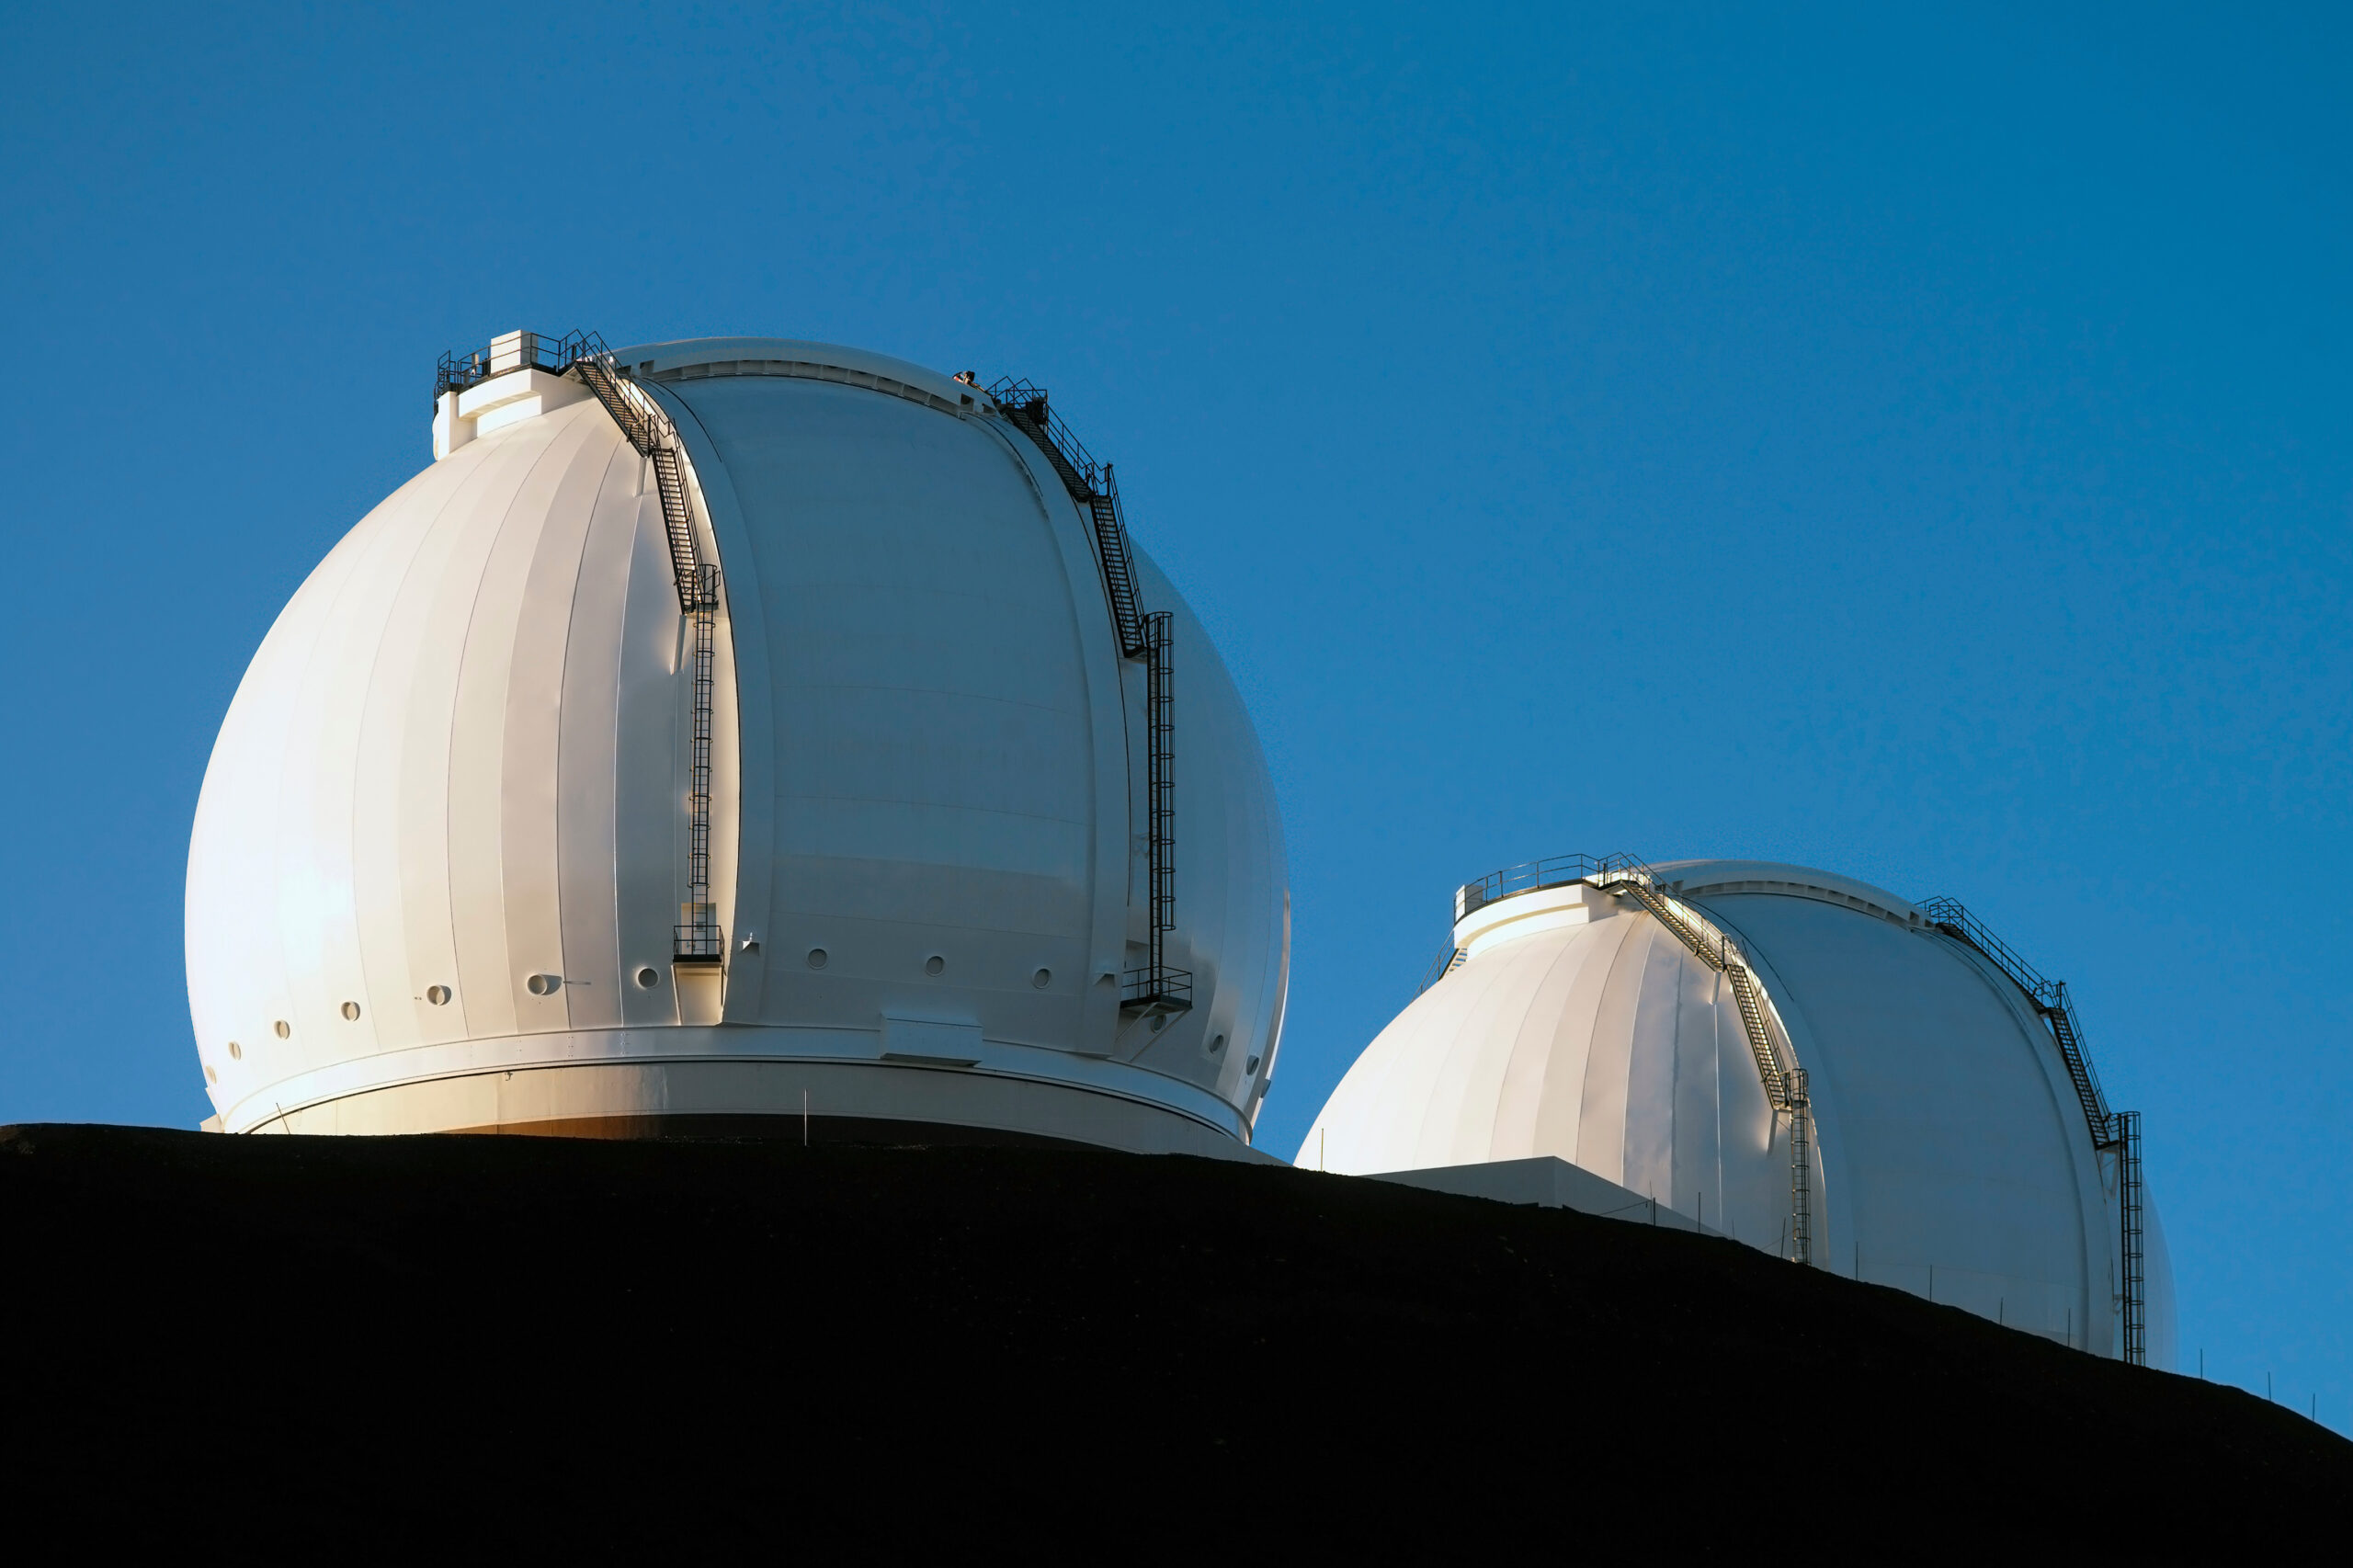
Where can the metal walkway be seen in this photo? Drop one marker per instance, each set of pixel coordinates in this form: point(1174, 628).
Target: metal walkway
point(2113, 1132)
point(1622, 876)
point(1156, 988)
point(697, 937)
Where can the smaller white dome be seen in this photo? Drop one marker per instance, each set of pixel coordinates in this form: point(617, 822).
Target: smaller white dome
point(1950, 1154)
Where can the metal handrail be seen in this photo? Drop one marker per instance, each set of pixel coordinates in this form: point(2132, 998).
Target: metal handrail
point(2051, 1001)
point(1155, 988)
point(1625, 873)
point(2116, 1131)
point(534, 351)
point(1027, 400)
point(1950, 912)
point(1529, 876)
point(1160, 990)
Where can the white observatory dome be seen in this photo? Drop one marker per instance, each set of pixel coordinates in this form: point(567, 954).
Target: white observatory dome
point(931, 812)
point(1592, 1011)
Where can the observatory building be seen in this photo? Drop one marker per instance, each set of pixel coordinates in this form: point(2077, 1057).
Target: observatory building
point(739, 735)
point(1794, 1058)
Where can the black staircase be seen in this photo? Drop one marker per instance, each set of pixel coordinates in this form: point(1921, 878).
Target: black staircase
point(2115, 1133)
point(1094, 487)
point(1155, 988)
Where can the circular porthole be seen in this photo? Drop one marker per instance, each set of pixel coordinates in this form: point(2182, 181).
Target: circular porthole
point(816, 957)
point(1251, 1066)
point(648, 978)
point(351, 1012)
point(1217, 1044)
point(543, 984)
point(279, 1027)
point(935, 965)
point(1159, 1022)
point(1042, 979)
point(210, 1077)
point(437, 994)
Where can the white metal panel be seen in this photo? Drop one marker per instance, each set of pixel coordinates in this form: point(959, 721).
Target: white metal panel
point(650, 840)
point(320, 905)
point(475, 835)
point(1537, 1048)
point(1648, 1157)
point(588, 826)
point(238, 980)
point(530, 789)
point(1695, 1148)
point(424, 834)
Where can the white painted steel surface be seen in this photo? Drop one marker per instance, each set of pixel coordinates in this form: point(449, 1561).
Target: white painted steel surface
point(1951, 1156)
point(448, 794)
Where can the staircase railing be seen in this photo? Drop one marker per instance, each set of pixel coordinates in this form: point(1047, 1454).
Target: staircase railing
point(517, 351)
point(2051, 1002)
point(1155, 988)
point(1094, 486)
point(1449, 958)
point(2115, 1133)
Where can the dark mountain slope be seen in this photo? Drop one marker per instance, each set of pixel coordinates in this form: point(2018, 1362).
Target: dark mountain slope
point(317, 1339)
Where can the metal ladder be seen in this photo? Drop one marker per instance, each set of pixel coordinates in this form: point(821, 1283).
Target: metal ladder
point(1094, 486)
point(1785, 1082)
point(583, 356)
point(1156, 988)
point(696, 938)
point(2113, 1132)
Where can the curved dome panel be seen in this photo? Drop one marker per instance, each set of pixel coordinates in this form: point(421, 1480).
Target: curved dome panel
point(1953, 1158)
point(443, 838)
point(1579, 1028)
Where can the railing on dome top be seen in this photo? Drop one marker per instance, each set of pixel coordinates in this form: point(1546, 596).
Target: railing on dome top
point(1145, 635)
point(521, 351)
point(2115, 1133)
point(1528, 876)
point(696, 939)
point(1776, 1068)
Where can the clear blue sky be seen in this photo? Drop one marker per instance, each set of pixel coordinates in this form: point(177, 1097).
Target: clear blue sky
point(1915, 447)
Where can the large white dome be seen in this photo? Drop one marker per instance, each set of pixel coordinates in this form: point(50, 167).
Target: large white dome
point(1951, 1155)
point(442, 845)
